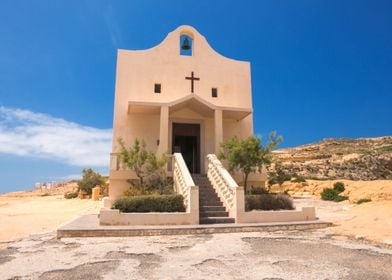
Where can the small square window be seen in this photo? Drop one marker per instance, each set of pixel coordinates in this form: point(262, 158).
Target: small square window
point(157, 88)
point(214, 92)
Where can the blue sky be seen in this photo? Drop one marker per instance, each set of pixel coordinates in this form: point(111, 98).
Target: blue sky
point(320, 69)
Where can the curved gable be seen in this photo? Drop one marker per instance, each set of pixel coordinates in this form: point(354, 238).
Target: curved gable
point(139, 70)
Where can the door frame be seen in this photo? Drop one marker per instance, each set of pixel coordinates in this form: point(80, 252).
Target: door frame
point(202, 142)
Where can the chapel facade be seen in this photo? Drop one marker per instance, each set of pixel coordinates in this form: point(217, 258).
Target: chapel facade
point(179, 96)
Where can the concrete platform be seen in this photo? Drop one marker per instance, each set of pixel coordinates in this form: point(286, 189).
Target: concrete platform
point(88, 226)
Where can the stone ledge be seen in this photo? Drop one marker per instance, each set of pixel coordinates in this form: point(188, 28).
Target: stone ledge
point(88, 226)
point(115, 217)
point(287, 216)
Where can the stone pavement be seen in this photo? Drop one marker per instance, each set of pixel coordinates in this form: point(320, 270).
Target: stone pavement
point(88, 226)
point(307, 255)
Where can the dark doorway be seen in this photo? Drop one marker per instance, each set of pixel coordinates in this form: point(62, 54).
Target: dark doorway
point(186, 140)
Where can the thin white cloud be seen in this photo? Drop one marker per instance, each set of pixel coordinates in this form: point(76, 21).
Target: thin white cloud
point(113, 27)
point(26, 133)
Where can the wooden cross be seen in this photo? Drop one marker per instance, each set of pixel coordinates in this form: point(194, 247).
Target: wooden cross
point(192, 78)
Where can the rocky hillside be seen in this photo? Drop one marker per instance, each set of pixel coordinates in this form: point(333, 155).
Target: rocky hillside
point(353, 159)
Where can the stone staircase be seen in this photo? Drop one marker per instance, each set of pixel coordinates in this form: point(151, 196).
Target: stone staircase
point(211, 208)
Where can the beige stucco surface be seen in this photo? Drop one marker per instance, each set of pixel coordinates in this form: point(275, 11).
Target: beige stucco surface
point(115, 217)
point(305, 214)
point(141, 113)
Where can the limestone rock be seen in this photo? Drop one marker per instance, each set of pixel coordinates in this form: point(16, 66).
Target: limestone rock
point(352, 159)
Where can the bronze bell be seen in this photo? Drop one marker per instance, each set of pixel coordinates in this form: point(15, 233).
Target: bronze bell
point(185, 44)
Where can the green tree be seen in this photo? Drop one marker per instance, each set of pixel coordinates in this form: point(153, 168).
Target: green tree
point(135, 158)
point(279, 176)
point(249, 154)
point(143, 162)
point(157, 177)
point(89, 180)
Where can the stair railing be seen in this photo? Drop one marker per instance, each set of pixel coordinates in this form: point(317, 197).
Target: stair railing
point(227, 189)
point(184, 185)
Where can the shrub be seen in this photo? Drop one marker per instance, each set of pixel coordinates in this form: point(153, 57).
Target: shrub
point(363, 200)
point(339, 187)
point(45, 194)
point(268, 202)
point(70, 195)
point(278, 177)
point(160, 185)
point(258, 190)
point(156, 185)
point(90, 180)
point(340, 198)
point(328, 194)
point(134, 191)
point(332, 195)
point(150, 203)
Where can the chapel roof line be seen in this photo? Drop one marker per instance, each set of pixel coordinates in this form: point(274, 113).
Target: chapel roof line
point(184, 30)
point(207, 107)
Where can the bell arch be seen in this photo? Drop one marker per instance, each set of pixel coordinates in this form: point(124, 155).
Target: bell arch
point(186, 44)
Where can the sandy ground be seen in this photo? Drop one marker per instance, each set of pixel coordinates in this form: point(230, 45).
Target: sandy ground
point(24, 214)
point(304, 255)
point(320, 254)
point(371, 221)
point(377, 190)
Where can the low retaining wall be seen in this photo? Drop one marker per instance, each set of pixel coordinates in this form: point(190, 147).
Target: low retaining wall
point(107, 202)
point(256, 216)
point(115, 217)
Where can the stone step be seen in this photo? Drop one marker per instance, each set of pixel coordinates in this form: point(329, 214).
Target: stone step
point(210, 203)
point(209, 198)
point(216, 220)
point(205, 180)
point(201, 187)
point(88, 226)
point(211, 208)
point(202, 182)
point(208, 194)
point(214, 214)
point(205, 188)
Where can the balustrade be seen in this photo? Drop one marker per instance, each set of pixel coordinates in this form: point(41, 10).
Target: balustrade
point(222, 181)
point(183, 182)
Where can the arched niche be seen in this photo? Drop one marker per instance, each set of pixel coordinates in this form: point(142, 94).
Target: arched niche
point(186, 44)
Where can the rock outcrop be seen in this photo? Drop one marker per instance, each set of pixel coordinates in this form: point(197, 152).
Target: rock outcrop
point(353, 159)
